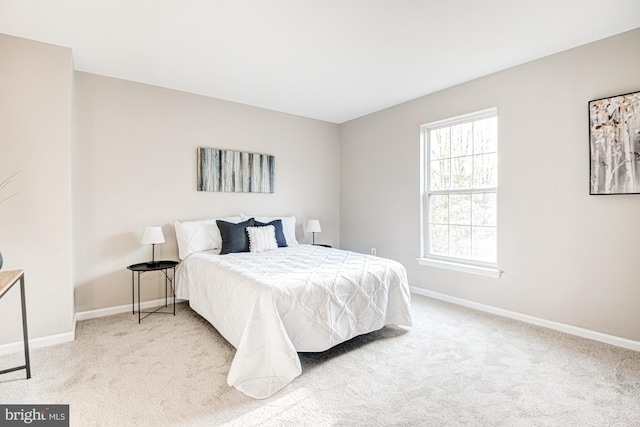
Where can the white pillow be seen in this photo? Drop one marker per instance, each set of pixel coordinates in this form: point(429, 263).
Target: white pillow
point(288, 225)
point(262, 238)
point(198, 236)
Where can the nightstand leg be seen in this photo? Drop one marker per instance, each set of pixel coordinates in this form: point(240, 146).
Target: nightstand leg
point(138, 297)
point(166, 295)
point(133, 293)
point(173, 290)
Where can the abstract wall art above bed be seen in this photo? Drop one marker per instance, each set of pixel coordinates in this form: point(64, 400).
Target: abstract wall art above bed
point(235, 171)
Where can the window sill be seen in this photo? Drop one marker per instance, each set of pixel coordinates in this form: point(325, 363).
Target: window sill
point(465, 268)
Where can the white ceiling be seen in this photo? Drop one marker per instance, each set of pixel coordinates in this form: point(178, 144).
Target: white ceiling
point(332, 60)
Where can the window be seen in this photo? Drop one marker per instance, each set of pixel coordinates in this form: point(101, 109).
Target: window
point(460, 188)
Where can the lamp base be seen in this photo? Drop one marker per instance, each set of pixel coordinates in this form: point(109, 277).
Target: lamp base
point(153, 263)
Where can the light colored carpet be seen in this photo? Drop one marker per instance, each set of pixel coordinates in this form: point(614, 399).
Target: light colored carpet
point(455, 366)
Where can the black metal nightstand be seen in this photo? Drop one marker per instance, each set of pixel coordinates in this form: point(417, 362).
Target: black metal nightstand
point(143, 267)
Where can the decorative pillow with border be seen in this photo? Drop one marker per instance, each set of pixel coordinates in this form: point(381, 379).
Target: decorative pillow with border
point(262, 238)
point(198, 236)
point(288, 225)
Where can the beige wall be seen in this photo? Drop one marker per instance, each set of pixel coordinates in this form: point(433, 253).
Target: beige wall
point(36, 82)
point(567, 256)
point(136, 166)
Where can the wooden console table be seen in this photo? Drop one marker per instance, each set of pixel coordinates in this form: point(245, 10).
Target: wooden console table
point(7, 280)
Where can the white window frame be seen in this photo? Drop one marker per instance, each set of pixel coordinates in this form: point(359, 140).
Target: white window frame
point(451, 263)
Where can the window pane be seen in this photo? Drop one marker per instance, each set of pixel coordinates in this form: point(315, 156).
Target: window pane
point(440, 143)
point(439, 209)
point(484, 244)
point(439, 240)
point(461, 174)
point(460, 241)
point(484, 209)
point(485, 171)
point(462, 140)
point(460, 209)
point(439, 177)
point(485, 136)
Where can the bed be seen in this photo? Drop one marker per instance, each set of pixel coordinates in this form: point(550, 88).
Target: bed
point(272, 304)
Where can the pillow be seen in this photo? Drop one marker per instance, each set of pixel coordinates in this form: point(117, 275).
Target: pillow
point(198, 236)
point(277, 228)
point(234, 236)
point(262, 238)
point(288, 225)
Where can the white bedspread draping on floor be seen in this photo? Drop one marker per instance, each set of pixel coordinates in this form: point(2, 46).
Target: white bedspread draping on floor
point(306, 298)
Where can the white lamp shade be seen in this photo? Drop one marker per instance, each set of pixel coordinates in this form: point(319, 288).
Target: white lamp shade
point(152, 235)
point(313, 226)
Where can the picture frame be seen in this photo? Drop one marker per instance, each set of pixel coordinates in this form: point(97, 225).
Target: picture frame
point(235, 171)
point(614, 144)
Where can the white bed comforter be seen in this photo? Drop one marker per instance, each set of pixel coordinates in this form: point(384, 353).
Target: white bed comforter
point(270, 305)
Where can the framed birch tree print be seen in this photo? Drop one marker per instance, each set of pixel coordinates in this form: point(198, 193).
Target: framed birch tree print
point(614, 143)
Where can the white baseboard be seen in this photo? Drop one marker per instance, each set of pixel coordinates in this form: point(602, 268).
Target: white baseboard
point(50, 340)
point(101, 312)
point(18, 347)
point(572, 330)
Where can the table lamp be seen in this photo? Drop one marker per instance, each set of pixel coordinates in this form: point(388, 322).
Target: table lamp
point(152, 236)
point(313, 226)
